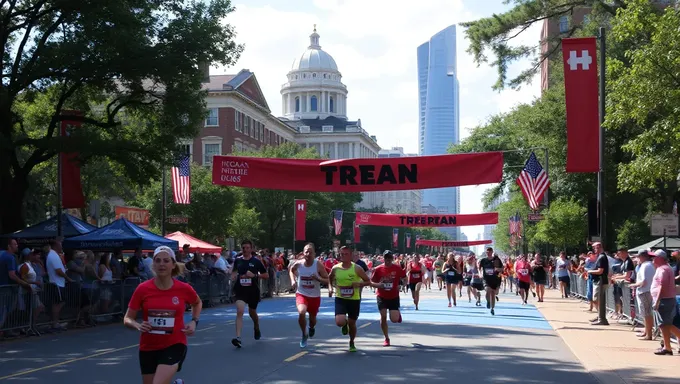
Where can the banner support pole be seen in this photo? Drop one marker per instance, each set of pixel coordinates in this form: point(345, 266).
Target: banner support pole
point(601, 174)
point(294, 226)
point(164, 203)
point(59, 192)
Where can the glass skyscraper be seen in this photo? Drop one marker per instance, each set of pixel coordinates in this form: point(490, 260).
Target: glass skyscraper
point(439, 111)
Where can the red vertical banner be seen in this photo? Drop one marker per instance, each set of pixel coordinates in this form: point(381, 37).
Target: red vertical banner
point(300, 220)
point(395, 237)
point(71, 185)
point(357, 233)
point(408, 240)
point(582, 103)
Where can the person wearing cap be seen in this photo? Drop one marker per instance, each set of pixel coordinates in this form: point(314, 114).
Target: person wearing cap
point(162, 300)
point(664, 302)
point(388, 275)
point(600, 276)
point(643, 296)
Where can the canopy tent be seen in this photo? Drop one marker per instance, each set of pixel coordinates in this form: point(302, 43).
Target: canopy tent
point(672, 243)
point(195, 245)
point(120, 234)
point(43, 231)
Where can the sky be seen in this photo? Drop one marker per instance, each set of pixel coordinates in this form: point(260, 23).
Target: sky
point(374, 45)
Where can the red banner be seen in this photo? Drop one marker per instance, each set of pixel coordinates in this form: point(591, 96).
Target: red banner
point(134, 215)
point(71, 186)
point(582, 97)
point(406, 220)
point(300, 220)
point(359, 175)
point(395, 237)
point(357, 233)
point(447, 243)
point(408, 240)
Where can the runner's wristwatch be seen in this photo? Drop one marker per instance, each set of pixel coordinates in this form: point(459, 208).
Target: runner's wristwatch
point(195, 320)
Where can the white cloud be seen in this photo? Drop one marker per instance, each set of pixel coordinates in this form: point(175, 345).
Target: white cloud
point(374, 44)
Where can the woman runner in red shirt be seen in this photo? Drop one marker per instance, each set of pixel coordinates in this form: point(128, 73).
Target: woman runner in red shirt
point(414, 272)
point(162, 300)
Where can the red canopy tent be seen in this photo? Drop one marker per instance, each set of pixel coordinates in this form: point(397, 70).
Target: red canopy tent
point(195, 245)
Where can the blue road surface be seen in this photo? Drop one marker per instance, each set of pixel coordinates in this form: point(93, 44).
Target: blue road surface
point(433, 344)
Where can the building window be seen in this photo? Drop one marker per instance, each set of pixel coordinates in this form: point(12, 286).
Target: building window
point(238, 146)
point(212, 145)
point(261, 133)
point(246, 125)
point(564, 24)
point(314, 75)
point(186, 148)
point(297, 104)
point(324, 75)
point(211, 120)
point(313, 103)
point(238, 122)
point(331, 104)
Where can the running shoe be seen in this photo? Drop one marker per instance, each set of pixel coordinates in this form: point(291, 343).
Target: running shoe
point(493, 313)
point(449, 305)
point(312, 332)
point(178, 381)
point(345, 329)
point(352, 348)
point(257, 334)
point(303, 342)
point(236, 342)
point(386, 343)
point(497, 299)
point(399, 321)
point(488, 305)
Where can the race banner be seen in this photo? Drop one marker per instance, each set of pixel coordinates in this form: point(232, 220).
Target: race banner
point(582, 102)
point(395, 237)
point(418, 220)
point(300, 220)
point(448, 243)
point(71, 185)
point(408, 240)
point(359, 175)
point(357, 233)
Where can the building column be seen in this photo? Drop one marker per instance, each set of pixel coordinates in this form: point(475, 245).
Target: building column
point(308, 107)
point(321, 151)
point(321, 103)
point(337, 155)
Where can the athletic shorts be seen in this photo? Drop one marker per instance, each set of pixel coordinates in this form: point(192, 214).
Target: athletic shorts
point(492, 282)
point(312, 303)
point(412, 286)
point(563, 279)
point(524, 285)
point(667, 311)
point(389, 304)
point(351, 308)
point(150, 360)
point(477, 286)
point(59, 295)
point(250, 296)
point(455, 279)
point(467, 281)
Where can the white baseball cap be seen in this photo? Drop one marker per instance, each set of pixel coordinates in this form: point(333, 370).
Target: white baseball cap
point(660, 253)
point(164, 249)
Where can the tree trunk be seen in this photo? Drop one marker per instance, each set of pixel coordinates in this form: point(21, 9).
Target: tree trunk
point(12, 193)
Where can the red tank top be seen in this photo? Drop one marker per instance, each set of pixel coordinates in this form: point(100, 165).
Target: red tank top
point(416, 273)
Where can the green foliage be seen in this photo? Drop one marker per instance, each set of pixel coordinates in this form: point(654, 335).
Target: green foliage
point(564, 224)
point(632, 233)
point(515, 204)
point(244, 224)
point(130, 67)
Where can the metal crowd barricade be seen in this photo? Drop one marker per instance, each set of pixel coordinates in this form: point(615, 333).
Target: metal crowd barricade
point(219, 288)
point(69, 297)
point(16, 309)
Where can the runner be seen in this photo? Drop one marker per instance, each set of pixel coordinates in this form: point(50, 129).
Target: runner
point(389, 275)
point(247, 270)
point(490, 269)
point(476, 284)
point(523, 271)
point(348, 278)
point(414, 272)
point(453, 276)
point(438, 264)
point(162, 300)
point(306, 276)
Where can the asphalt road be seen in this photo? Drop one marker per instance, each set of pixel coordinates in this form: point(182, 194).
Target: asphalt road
point(434, 344)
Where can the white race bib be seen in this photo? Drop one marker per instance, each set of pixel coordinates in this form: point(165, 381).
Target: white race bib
point(415, 275)
point(162, 321)
point(452, 273)
point(346, 291)
point(246, 282)
point(306, 282)
point(489, 271)
point(388, 286)
point(523, 271)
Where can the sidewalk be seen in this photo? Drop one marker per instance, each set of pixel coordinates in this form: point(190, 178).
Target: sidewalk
point(611, 353)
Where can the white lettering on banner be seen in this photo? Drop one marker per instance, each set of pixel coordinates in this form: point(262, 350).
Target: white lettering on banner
point(301, 207)
point(364, 217)
point(231, 171)
point(574, 60)
point(50, 227)
point(112, 232)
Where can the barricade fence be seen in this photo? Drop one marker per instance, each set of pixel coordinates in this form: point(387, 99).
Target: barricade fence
point(88, 303)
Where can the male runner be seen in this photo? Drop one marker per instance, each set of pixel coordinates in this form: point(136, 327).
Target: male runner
point(438, 264)
point(490, 269)
point(389, 275)
point(247, 269)
point(348, 278)
point(306, 276)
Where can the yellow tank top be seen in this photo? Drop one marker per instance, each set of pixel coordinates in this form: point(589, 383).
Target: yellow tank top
point(344, 278)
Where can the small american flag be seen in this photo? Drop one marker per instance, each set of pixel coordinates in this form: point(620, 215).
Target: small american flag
point(533, 181)
point(337, 222)
point(675, 208)
point(181, 181)
point(513, 225)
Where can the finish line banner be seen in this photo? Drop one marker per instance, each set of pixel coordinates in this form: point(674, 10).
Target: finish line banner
point(447, 243)
point(358, 175)
point(404, 220)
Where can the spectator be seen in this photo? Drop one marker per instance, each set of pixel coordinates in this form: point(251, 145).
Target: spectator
point(600, 276)
point(642, 293)
point(148, 266)
point(8, 276)
point(106, 280)
point(29, 275)
point(56, 271)
point(663, 296)
point(220, 265)
point(115, 264)
point(134, 264)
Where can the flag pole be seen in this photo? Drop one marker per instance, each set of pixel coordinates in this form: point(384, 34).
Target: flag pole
point(164, 198)
point(59, 191)
point(600, 174)
point(294, 225)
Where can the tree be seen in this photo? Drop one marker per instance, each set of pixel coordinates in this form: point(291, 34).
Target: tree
point(244, 224)
point(209, 213)
point(564, 224)
point(276, 208)
point(132, 69)
point(632, 233)
point(515, 204)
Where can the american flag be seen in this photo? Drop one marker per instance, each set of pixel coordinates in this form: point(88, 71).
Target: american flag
point(513, 224)
point(675, 208)
point(533, 181)
point(181, 181)
point(337, 222)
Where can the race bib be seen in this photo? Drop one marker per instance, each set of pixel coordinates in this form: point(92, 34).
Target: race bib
point(246, 282)
point(162, 321)
point(489, 271)
point(388, 286)
point(346, 291)
point(415, 275)
point(524, 271)
point(452, 273)
point(306, 282)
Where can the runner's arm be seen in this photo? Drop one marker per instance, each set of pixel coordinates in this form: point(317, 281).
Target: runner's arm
point(366, 281)
point(262, 271)
point(323, 275)
point(292, 273)
point(331, 282)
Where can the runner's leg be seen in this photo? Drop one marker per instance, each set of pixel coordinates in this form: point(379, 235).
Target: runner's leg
point(302, 319)
point(383, 322)
point(165, 373)
point(256, 320)
point(240, 309)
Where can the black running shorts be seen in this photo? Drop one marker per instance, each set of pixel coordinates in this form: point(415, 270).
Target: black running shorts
point(150, 360)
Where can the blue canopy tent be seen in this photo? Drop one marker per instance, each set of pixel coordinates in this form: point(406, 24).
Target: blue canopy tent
point(120, 234)
point(44, 231)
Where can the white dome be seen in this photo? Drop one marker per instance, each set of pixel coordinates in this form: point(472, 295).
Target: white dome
point(314, 58)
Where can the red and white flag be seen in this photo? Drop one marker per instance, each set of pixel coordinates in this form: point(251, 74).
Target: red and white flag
point(533, 181)
point(181, 181)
